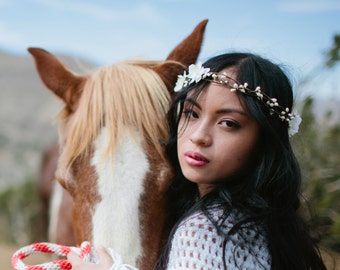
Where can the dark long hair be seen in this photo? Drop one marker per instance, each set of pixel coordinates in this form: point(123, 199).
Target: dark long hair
point(270, 192)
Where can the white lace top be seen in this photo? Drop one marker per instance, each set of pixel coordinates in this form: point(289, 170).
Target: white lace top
point(197, 245)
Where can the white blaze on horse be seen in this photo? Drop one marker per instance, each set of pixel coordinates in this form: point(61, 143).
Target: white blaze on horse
point(112, 132)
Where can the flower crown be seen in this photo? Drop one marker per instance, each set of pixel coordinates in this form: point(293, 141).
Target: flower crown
point(198, 72)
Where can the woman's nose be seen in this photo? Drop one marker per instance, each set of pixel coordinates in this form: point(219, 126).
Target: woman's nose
point(201, 136)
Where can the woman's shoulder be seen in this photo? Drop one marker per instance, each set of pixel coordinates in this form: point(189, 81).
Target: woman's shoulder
point(200, 226)
point(218, 225)
point(210, 237)
point(213, 216)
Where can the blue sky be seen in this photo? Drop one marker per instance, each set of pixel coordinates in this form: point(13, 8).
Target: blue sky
point(295, 33)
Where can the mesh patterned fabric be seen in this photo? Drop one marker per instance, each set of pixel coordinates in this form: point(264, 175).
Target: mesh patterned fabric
point(198, 245)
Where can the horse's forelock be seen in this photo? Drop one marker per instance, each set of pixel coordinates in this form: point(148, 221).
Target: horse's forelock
point(123, 96)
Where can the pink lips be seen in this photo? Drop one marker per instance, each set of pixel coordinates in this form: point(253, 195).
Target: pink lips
point(195, 159)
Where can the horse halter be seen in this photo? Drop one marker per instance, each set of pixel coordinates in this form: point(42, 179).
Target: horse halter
point(85, 252)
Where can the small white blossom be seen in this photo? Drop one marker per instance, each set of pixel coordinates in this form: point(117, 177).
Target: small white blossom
point(197, 72)
point(181, 82)
point(294, 125)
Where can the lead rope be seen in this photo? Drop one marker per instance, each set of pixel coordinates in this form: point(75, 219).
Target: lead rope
point(84, 251)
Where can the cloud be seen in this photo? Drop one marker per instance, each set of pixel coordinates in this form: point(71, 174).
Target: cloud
point(311, 6)
point(4, 3)
point(111, 11)
point(217, 44)
point(93, 10)
point(9, 38)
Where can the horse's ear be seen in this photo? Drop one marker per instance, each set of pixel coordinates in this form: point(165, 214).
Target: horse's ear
point(185, 53)
point(57, 78)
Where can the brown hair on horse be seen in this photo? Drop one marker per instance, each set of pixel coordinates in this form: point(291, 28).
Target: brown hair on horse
point(55, 200)
point(111, 161)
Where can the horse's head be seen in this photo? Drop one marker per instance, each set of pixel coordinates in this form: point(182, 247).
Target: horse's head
point(111, 159)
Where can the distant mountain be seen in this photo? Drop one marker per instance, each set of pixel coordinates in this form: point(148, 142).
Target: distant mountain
point(27, 113)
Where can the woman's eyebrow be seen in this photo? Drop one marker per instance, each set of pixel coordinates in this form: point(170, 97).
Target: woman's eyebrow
point(231, 110)
point(193, 103)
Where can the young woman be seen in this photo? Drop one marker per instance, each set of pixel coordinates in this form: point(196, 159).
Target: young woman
point(236, 191)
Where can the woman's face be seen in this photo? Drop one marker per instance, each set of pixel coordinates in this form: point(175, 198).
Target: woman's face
point(218, 139)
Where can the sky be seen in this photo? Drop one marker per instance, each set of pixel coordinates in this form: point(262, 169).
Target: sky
point(294, 33)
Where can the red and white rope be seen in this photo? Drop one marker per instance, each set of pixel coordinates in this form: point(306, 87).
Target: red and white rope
point(84, 251)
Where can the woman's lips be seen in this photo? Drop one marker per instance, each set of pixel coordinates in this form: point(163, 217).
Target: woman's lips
point(195, 159)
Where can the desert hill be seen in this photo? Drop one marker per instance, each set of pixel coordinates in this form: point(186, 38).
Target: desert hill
point(27, 113)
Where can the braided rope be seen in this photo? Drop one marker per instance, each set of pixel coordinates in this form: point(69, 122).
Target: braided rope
point(84, 251)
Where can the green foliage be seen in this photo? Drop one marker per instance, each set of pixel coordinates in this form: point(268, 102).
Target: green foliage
point(20, 214)
point(333, 55)
point(318, 149)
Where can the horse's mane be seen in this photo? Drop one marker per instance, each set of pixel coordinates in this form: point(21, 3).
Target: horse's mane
point(126, 95)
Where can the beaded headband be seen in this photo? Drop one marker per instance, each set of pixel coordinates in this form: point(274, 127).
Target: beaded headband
point(198, 72)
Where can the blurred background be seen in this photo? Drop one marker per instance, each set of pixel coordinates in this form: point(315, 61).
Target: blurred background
point(301, 35)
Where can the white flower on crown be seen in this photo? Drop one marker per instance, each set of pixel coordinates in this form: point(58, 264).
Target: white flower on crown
point(181, 82)
point(197, 72)
point(294, 124)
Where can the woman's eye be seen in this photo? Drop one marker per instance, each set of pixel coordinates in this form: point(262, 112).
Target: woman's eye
point(190, 114)
point(229, 123)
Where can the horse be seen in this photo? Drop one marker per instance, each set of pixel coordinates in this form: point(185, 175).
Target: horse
point(112, 131)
